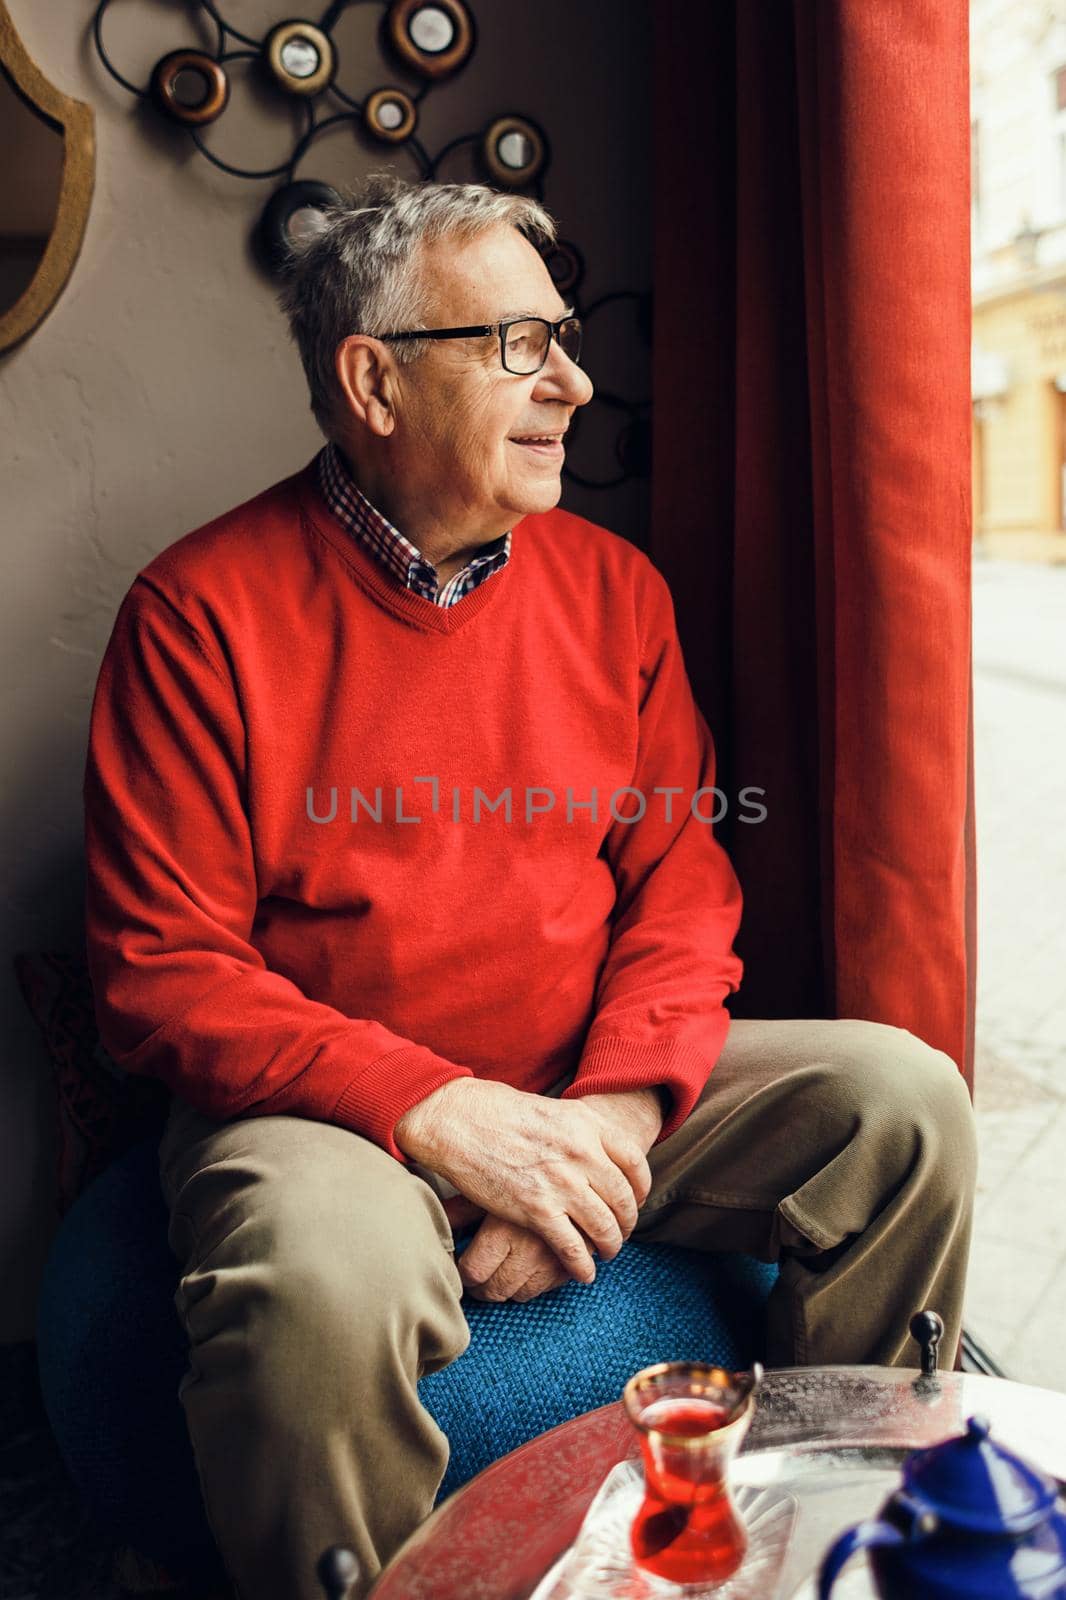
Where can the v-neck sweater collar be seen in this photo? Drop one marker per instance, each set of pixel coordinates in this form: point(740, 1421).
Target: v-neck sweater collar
point(403, 603)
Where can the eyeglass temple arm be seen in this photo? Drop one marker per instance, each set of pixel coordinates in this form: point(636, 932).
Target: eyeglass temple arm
point(441, 333)
point(481, 328)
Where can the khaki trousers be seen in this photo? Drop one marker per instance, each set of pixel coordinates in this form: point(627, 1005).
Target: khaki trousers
point(318, 1280)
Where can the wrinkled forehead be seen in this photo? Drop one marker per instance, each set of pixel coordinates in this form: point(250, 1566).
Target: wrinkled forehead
point(489, 277)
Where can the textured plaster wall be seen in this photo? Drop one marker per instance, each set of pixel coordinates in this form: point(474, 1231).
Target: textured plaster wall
point(162, 389)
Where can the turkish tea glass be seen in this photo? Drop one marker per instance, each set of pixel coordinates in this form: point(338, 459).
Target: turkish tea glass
point(691, 1420)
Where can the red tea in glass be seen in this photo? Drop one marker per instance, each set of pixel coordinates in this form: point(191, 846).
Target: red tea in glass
point(691, 1420)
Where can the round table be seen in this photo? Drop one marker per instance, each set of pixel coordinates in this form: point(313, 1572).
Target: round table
point(497, 1537)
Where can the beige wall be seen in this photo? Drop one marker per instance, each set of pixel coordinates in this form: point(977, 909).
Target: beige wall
point(162, 389)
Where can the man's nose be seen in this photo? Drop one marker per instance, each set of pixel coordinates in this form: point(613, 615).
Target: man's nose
point(559, 376)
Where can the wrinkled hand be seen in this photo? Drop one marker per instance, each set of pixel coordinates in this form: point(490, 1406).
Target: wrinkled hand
point(506, 1262)
point(572, 1171)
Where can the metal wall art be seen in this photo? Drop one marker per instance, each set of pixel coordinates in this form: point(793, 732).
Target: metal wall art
point(299, 60)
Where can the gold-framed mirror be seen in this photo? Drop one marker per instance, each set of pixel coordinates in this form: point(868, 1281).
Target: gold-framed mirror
point(46, 186)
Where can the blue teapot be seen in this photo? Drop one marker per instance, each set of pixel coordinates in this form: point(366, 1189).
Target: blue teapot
point(970, 1522)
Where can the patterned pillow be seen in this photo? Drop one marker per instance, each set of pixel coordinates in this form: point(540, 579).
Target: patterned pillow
point(100, 1110)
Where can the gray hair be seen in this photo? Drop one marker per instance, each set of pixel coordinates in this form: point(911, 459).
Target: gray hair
point(357, 271)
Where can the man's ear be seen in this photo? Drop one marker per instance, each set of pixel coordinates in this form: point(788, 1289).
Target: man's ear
point(366, 374)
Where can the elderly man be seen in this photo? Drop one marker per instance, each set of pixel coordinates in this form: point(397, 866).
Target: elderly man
point(401, 877)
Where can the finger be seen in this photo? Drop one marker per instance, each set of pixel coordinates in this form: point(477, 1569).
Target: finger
point(564, 1240)
point(632, 1162)
point(613, 1188)
point(551, 1276)
point(512, 1274)
point(529, 1255)
point(488, 1248)
point(596, 1219)
point(495, 1288)
point(611, 1181)
point(516, 1269)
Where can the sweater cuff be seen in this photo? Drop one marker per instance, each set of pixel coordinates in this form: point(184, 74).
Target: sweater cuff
point(373, 1103)
point(613, 1064)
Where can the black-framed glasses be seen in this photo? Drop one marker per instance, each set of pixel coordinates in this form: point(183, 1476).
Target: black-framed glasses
point(524, 341)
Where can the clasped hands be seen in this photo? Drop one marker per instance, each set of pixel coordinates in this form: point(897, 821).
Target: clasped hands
point(552, 1180)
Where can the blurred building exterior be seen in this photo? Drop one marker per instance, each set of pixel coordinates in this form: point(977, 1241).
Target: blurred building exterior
point(1018, 211)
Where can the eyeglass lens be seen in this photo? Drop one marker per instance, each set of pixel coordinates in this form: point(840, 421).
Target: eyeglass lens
point(526, 344)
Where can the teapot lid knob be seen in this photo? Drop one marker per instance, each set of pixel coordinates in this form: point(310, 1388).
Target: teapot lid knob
point(978, 1429)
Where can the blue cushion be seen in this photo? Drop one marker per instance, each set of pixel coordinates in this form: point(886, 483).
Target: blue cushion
point(112, 1353)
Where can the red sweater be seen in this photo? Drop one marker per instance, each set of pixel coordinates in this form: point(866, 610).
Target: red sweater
point(259, 961)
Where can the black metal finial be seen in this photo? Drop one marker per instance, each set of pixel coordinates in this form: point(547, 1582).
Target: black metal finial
point(927, 1328)
point(337, 1571)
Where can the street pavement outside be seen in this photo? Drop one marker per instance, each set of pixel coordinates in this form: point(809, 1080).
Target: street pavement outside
point(1016, 1300)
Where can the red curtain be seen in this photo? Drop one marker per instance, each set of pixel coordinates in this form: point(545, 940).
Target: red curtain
point(811, 484)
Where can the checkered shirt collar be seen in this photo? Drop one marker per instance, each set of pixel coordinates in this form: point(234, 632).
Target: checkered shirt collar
point(398, 555)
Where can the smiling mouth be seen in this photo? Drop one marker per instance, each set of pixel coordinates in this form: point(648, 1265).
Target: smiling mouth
point(549, 445)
